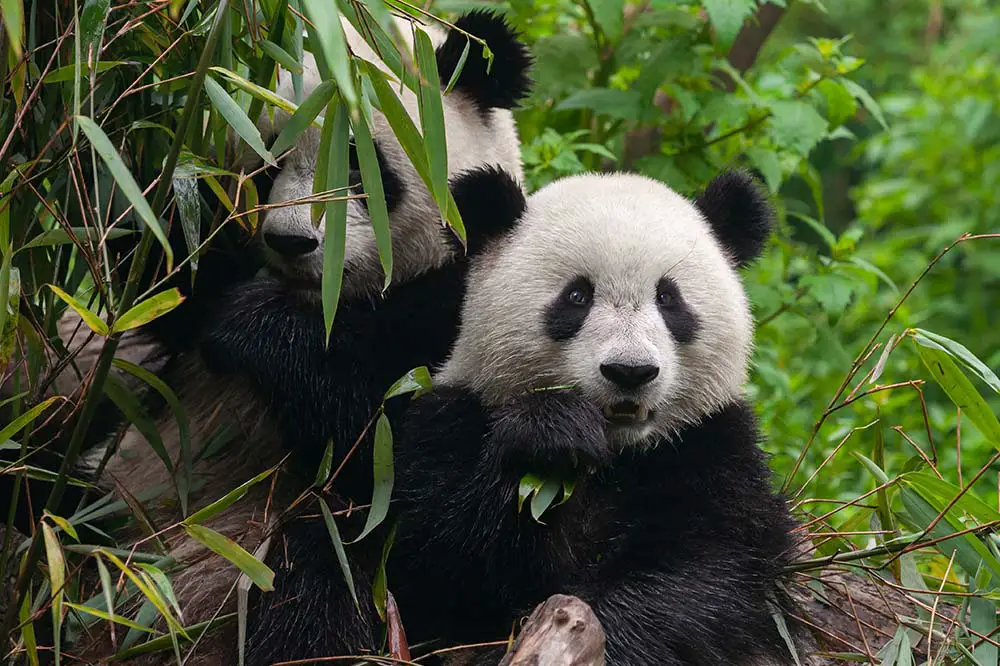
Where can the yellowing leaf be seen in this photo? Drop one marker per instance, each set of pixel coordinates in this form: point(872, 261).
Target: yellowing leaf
point(95, 323)
point(256, 570)
point(148, 310)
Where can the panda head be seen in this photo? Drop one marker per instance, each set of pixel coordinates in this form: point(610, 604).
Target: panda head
point(620, 287)
point(479, 130)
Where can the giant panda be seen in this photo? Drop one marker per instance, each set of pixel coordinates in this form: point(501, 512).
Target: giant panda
point(249, 395)
point(604, 341)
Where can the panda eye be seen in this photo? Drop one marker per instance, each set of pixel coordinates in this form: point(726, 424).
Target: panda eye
point(579, 293)
point(578, 297)
point(665, 299)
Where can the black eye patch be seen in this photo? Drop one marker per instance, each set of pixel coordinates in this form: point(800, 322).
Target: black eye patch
point(391, 183)
point(680, 319)
point(564, 317)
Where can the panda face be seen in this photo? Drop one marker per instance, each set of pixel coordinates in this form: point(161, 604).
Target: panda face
point(479, 130)
point(615, 285)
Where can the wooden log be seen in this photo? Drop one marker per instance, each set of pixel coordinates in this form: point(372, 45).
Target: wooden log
point(562, 631)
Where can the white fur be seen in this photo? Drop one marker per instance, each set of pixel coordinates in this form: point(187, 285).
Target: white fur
point(417, 240)
point(622, 232)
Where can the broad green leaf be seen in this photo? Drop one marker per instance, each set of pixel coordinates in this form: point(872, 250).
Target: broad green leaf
point(13, 20)
point(279, 55)
point(544, 497)
point(727, 16)
point(68, 73)
point(237, 119)
point(180, 415)
point(126, 182)
point(840, 104)
point(92, 22)
point(432, 119)
point(62, 236)
point(957, 350)
point(189, 207)
point(941, 492)
point(328, 33)
point(828, 237)
point(609, 15)
point(961, 391)
point(256, 570)
point(95, 323)
point(866, 100)
point(383, 473)
point(132, 408)
point(416, 381)
point(57, 579)
point(148, 310)
point(371, 179)
point(619, 104)
point(15, 426)
point(338, 547)
point(335, 237)
point(796, 126)
point(226, 500)
point(767, 162)
point(303, 117)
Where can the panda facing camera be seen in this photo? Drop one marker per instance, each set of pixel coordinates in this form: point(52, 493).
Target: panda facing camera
point(605, 340)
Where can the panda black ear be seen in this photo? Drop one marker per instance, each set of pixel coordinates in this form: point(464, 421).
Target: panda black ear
point(507, 82)
point(740, 214)
point(490, 202)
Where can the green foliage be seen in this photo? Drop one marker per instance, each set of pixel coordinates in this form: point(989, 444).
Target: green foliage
point(875, 125)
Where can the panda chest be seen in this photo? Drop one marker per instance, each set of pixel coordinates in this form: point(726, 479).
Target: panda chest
point(587, 530)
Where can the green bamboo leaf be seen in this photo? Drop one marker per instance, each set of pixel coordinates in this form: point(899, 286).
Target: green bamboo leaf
point(194, 632)
point(129, 404)
point(106, 588)
point(327, 33)
point(189, 206)
point(384, 475)
point(432, 119)
point(961, 391)
point(416, 381)
point(942, 493)
point(338, 547)
point(226, 500)
point(68, 73)
point(126, 182)
point(727, 16)
point(10, 297)
point(399, 120)
point(148, 591)
point(163, 584)
point(254, 90)
point(325, 465)
point(256, 570)
point(95, 323)
point(458, 67)
point(303, 117)
point(180, 416)
point(108, 617)
point(28, 629)
point(958, 351)
point(876, 471)
point(544, 497)
point(237, 119)
point(13, 20)
point(335, 238)
point(371, 179)
point(15, 426)
point(57, 579)
point(62, 236)
point(380, 586)
point(148, 310)
point(528, 486)
point(279, 55)
point(93, 19)
point(779, 620)
point(63, 524)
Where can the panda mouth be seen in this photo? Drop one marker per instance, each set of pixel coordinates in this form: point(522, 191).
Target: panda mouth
point(627, 413)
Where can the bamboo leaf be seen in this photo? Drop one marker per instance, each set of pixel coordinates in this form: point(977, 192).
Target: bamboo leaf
point(325, 465)
point(57, 579)
point(148, 310)
point(226, 500)
point(256, 91)
point(303, 117)
point(335, 238)
point(189, 207)
point(95, 323)
point(68, 73)
point(371, 179)
point(148, 591)
point(417, 381)
point(93, 19)
point(338, 547)
point(237, 119)
point(13, 20)
point(327, 33)
point(256, 570)
point(62, 236)
point(63, 524)
point(279, 55)
point(958, 351)
point(28, 629)
point(384, 475)
point(432, 119)
point(15, 426)
point(129, 404)
point(543, 499)
point(126, 182)
point(109, 617)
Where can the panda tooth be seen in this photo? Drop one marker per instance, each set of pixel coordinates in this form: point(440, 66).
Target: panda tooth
point(642, 414)
point(608, 412)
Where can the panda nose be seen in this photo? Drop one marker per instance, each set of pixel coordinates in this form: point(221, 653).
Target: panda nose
point(290, 245)
point(629, 377)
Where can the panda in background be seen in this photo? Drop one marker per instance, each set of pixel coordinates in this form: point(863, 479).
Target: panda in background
point(248, 357)
point(618, 287)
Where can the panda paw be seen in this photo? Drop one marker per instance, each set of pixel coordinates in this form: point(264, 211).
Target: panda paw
point(549, 432)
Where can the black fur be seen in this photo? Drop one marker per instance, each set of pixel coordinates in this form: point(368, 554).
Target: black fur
point(490, 200)
point(564, 318)
point(676, 548)
point(680, 319)
point(392, 185)
point(739, 212)
point(507, 82)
